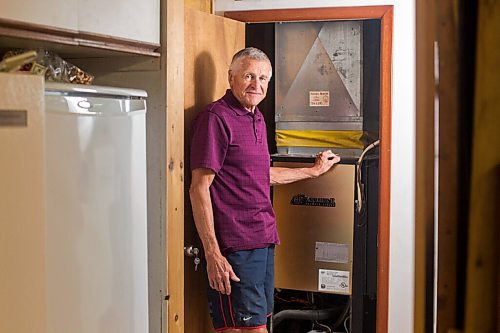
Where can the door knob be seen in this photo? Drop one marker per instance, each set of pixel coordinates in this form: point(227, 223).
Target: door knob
point(191, 251)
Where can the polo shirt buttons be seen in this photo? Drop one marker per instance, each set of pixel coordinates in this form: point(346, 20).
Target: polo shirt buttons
point(256, 128)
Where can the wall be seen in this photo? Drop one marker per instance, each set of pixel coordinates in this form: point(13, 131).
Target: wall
point(401, 266)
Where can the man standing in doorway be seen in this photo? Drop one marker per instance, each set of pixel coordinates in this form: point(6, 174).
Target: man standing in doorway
point(230, 197)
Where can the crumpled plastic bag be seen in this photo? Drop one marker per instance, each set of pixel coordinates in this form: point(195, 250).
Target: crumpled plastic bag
point(53, 67)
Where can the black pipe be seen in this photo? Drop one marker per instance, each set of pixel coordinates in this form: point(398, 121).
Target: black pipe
point(303, 315)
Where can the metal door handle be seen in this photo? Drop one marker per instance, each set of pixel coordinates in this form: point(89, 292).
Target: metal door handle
point(191, 251)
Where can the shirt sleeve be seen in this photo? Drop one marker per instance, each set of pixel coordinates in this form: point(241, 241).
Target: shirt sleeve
point(209, 142)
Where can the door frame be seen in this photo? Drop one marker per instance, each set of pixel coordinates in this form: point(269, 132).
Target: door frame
point(385, 15)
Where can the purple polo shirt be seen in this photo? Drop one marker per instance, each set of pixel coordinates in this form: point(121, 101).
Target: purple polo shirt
point(232, 142)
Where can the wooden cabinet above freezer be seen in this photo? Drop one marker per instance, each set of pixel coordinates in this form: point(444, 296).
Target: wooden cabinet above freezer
point(118, 25)
point(53, 13)
point(130, 19)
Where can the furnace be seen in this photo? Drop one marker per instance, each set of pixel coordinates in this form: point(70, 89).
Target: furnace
point(316, 226)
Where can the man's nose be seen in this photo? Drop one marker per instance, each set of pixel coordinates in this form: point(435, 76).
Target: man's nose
point(256, 82)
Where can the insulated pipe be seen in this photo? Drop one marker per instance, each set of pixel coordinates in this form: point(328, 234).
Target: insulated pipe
point(303, 315)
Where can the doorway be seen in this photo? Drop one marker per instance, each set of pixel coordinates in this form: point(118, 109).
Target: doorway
point(209, 25)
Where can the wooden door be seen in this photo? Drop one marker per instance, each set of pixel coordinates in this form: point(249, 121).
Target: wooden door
point(210, 42)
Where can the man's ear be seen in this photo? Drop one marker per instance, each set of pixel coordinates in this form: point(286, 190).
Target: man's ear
point(229, 77)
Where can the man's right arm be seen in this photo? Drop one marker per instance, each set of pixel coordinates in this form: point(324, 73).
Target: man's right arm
point(218, 269)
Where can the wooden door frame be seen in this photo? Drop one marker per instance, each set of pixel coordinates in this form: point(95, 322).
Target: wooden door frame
point(385, 15)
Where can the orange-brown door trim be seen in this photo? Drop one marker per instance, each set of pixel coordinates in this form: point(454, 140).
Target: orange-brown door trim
point(385, 14)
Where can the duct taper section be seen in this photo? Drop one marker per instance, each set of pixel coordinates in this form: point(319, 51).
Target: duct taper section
point(319, 80)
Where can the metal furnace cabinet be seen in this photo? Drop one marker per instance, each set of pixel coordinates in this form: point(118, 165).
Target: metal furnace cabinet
point(327, 244)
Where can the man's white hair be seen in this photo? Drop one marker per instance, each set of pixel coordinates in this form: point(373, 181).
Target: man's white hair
point(250, 53)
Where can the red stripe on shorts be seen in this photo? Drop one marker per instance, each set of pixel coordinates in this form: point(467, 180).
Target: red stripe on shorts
point(222, 310)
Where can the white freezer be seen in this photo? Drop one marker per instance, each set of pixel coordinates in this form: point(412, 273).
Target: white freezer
point(97, 278)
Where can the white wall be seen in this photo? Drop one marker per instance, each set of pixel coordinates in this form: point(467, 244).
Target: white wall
point(401, 266)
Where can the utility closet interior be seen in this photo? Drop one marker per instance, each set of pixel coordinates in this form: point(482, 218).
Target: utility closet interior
point(325, 93)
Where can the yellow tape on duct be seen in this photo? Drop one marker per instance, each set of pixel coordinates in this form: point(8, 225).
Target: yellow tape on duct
point(323, 139)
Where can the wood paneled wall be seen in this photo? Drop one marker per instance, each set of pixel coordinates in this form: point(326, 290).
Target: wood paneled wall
point(424, 183)
point(482, 306)
point(467, 238)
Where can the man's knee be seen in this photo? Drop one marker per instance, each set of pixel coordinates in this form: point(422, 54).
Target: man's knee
point(258, 330)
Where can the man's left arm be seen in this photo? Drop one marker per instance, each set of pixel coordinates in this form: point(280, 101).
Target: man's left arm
point(324, 161)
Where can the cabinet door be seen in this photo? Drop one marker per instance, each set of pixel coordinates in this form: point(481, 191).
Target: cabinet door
point(129, 19)
point(22, 205)
point(209, 48)
point(53, 13)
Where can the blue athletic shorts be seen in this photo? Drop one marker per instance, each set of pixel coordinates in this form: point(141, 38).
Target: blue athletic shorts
point(252, 299)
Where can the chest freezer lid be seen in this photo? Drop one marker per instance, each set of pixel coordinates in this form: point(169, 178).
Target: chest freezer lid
point(67, 89)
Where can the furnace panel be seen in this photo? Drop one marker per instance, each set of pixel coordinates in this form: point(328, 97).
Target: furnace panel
point(315, 219)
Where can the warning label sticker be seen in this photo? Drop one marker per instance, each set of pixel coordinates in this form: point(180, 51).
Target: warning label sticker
point(334, 281)
point(331, 252)
point(319, 98)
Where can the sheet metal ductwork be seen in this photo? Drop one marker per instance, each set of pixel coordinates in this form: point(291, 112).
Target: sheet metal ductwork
point(319, 86)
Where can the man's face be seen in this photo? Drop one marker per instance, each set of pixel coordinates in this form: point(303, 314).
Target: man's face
point(248, 80)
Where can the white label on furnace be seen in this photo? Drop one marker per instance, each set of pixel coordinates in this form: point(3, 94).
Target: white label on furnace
point(319, 98)
point(332, 252)
point(335, 281)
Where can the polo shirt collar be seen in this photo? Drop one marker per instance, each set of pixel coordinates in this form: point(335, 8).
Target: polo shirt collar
point(236, 106)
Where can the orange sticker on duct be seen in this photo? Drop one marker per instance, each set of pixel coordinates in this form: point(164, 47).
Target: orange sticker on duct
point(319, 98)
